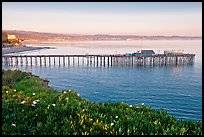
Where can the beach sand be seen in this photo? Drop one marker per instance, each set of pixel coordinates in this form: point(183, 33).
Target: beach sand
point(9, 50)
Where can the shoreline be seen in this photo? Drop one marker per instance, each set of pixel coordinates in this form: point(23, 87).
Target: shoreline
point(9, 50)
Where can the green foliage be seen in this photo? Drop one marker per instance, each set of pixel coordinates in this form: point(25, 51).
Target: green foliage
point(10, 77)
point(66, 113)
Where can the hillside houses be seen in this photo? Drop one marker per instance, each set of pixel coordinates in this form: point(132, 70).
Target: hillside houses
point(11, 37)
point(9, 40)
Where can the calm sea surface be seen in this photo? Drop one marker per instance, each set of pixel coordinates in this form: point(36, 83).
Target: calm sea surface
point(177, 89)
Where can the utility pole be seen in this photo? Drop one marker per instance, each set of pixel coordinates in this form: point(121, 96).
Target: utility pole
point(141, 48)
point(141, 45)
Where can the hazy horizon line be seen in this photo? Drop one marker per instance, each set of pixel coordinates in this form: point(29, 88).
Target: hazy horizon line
point(103, 34)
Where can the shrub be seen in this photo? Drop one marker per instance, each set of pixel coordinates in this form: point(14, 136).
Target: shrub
point(66, 113)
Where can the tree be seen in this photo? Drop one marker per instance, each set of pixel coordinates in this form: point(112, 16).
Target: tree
point(4, 37)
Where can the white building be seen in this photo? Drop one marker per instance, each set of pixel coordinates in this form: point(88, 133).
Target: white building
point(173, 51)
point(11, 36)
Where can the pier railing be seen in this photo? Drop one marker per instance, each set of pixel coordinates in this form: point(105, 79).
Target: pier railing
point(99, 60)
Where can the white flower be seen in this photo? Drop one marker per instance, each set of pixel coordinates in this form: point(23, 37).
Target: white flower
point(48, 107)
point(112, 124)
point(33, 94)
point(66, 98)
point(137, 107)
point(65, 92)
point(116, 116)
point(142, 104)
point(33, 105)
point(69, 90)
point(14, 90)
point(23, 102)
point(53, 105)
point(35, 102)
point(14, 125)
point(7, 91)
point(130, 105)
point(78, 95)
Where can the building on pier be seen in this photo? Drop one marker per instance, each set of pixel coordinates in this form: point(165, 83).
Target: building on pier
point(143, 53)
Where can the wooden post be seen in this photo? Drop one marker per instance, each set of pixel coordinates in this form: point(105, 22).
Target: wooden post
point(17, 60)
point(153, 60)
point(78, 60)
point(26, 60)
point(101, 60)
point(68, 61)
point(31, 61)
point(144, 61)
point(49, 61)
point(111, 60)
point(59, 61)
point(45, 61)
point(40, 61)
point(73, 60)
point(6, 60)
point(63, 61)
point(11, 61)
point(54, 61)
point(21, 60)
point(176, 60)
point(108, 61)
point(87, 59)
point(94, 60)
point(35, 61)
point(132, 61)
point(104, 61)
point(97, 61)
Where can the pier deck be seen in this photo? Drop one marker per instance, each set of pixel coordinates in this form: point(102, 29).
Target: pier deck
point(99, 60)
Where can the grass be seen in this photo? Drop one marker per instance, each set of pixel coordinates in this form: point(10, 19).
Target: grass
point(67, 113)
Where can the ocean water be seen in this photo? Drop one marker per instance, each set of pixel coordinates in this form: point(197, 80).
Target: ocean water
point(177, 89)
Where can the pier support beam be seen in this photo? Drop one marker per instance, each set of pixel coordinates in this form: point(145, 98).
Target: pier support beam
point(40, 61)
point(31, 61)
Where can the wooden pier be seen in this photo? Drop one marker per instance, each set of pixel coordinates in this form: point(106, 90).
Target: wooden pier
point(98, 60)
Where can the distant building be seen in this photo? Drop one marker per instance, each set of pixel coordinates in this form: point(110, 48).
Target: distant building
point(10, 37)
point(173, 52)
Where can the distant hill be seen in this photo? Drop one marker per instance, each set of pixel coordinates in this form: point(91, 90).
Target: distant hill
point(41, 36)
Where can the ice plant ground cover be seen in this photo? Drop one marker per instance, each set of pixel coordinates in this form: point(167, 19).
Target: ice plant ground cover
point(49, 112)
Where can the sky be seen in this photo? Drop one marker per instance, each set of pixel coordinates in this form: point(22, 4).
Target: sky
point(114, 18)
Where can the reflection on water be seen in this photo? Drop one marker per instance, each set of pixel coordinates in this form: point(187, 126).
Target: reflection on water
point(177, 70)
